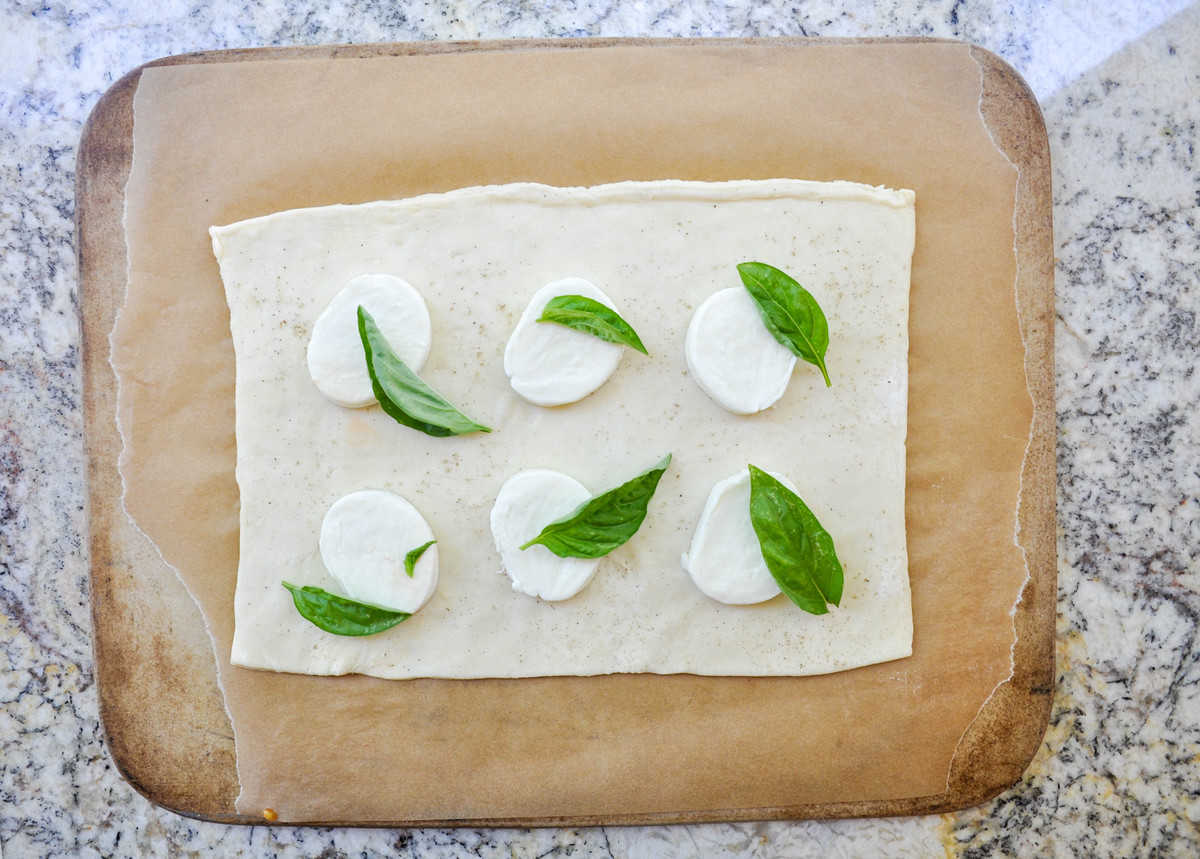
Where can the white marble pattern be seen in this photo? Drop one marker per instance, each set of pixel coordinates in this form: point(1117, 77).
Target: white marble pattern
point(1119, 769)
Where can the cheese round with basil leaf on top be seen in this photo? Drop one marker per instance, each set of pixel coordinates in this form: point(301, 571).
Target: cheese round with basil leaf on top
point(550, 364)
point(733, 357)
point(528, 502)
point(365, 537)
point(336, 361)
point(725, 560)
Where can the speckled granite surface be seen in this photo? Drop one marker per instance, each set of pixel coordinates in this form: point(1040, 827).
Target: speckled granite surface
point(1119, 771)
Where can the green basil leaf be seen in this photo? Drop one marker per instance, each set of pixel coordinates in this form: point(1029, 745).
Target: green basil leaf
point(789, 311)
point(798, 551)
point(341, 615)
point(400, 391)
point(414, 555)
point(591, 317)
point(605, 522)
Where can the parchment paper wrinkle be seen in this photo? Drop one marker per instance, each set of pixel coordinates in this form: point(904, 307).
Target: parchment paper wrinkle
point(219, 143)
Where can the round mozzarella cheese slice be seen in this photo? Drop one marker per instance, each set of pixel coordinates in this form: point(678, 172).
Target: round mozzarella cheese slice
point(335, 352)
point(365, 537)
point(725, 561)
point(733, 357)
point(528, 502)
point(550, 364)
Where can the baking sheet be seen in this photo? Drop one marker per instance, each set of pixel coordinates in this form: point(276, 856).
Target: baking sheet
point(614, 745)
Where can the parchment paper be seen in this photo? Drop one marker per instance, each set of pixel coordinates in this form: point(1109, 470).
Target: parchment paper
point(214, 144)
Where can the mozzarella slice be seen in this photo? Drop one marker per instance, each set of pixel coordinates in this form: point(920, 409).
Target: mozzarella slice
point(364, 538)
point(528, 502)
point(335, 352)
point(733, 357)
point(550, 364)
point(725, 561)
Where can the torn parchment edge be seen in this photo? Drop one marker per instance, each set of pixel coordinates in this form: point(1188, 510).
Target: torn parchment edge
point(1012, 612)
point(125, 455)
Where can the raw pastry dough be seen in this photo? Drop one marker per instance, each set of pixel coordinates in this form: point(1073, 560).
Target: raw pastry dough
point(659, 247)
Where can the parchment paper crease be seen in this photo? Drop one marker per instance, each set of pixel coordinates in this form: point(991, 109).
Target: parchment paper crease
point(218, 143)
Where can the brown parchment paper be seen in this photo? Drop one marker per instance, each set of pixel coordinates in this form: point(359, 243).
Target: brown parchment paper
point(217, 143)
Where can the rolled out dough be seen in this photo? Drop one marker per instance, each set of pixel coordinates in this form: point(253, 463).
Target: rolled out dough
point(659, 249)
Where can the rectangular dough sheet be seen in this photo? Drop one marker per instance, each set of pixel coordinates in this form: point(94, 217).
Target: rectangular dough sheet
point(658, 249)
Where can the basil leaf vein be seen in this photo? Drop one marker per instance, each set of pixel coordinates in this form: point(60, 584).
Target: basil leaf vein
point(798, 551)
point(401, 392)
point(342, 615)
point(789, 311)
point(605, 522)
point(591, 317)
point(414, 555)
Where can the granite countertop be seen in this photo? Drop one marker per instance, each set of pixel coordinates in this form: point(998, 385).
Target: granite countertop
point(1119, 770)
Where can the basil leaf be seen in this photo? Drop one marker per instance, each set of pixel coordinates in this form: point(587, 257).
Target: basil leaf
point(798, 551)
point(591, 317)
point(789, 311)
point(400, 391)
point(605, 522)
point(341, 615)
point(414, 555)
